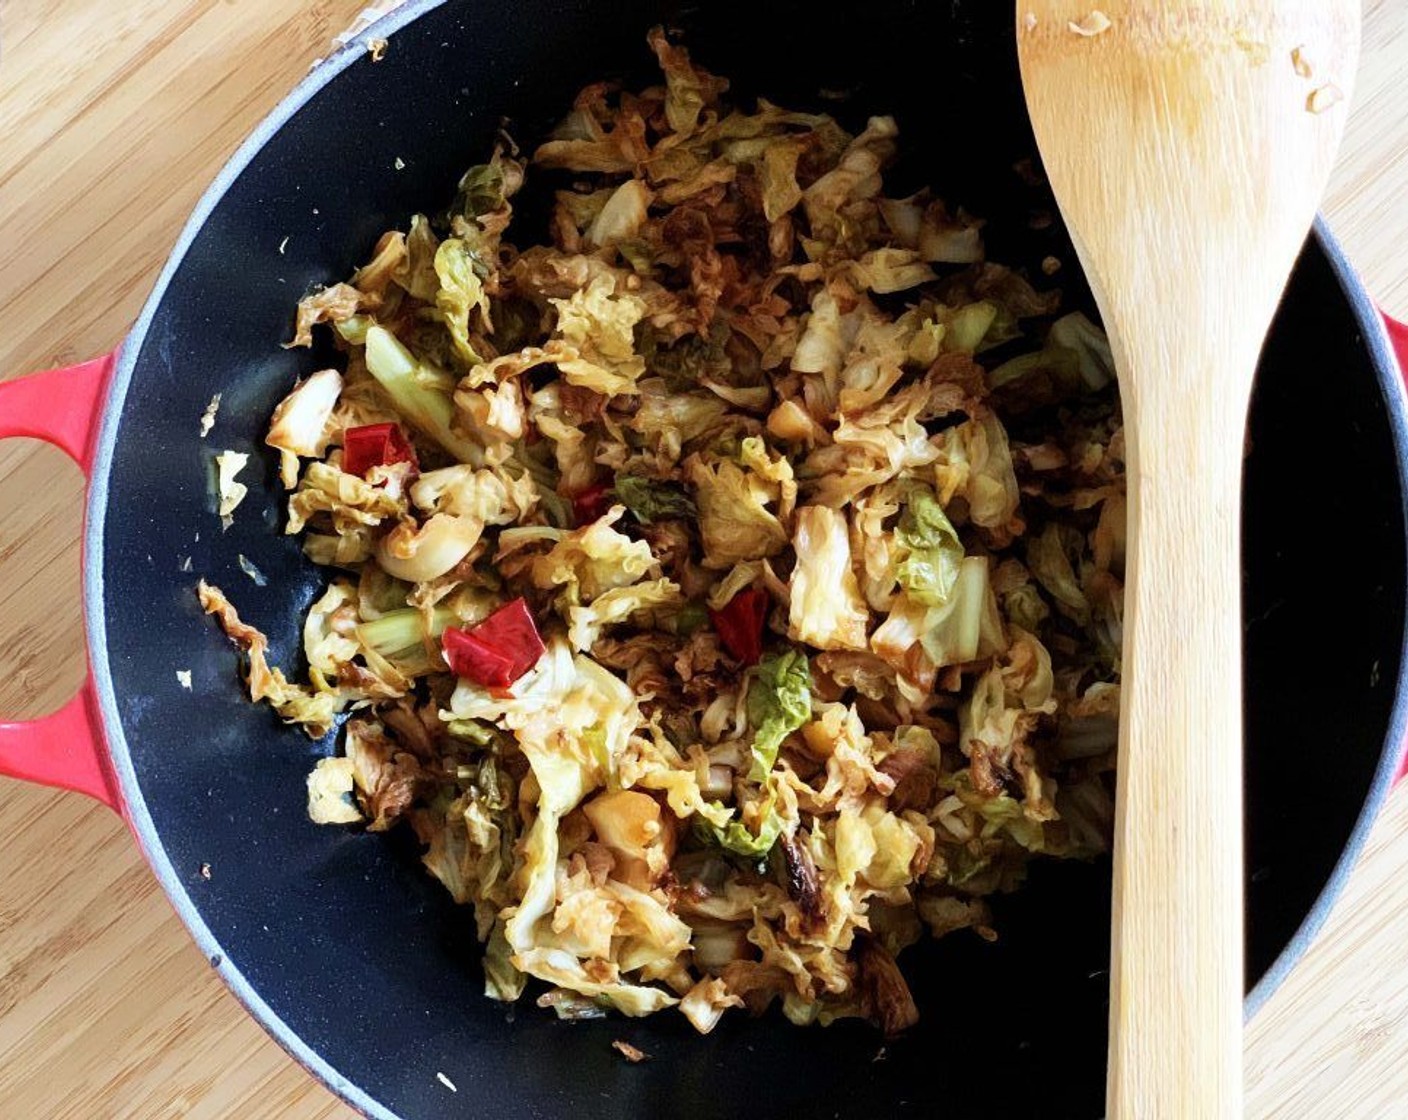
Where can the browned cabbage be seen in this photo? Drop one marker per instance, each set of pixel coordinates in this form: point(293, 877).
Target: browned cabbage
point(821, 517)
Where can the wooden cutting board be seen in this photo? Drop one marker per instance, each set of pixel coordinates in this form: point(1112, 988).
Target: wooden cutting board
point(113, 118)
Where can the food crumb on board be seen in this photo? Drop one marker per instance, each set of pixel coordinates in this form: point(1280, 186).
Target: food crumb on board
point(205, 872)
point(377, 49)
point(282, 246)
point(1029, 21)
point(445, 1081)
point(632, 1053)
point(184, 677)
point(1324, 97)
point(1301, 62)
point(1051, 266)
point(207, 418)
point(1096, 23)
point(400, 164)
point(185, 564)
point(247, 566)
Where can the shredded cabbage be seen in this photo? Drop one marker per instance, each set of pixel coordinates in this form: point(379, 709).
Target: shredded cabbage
point(816, 515)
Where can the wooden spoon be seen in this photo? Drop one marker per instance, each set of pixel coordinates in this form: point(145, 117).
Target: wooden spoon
point(1188, 143)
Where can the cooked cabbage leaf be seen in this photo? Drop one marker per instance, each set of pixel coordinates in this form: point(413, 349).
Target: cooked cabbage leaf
point(929, 567)
point(650, 500)
point(597, 326)
point(779, 702)
point(733, 516)
point(739, 839)
point(461, 293)
point(968, 625)
point(826, 608)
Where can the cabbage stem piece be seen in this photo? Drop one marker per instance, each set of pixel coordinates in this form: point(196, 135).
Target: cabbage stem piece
point(419, 554)
point(968, 625)
point(408, 382)
point(826, 606)
point(400, 636)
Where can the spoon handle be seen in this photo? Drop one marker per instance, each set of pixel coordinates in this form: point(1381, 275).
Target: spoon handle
point(1176, 972)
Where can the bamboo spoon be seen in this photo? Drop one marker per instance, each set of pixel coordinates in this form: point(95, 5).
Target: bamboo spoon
point(1188, 143)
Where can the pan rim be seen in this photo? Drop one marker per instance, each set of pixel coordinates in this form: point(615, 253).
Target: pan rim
point(1395, 396)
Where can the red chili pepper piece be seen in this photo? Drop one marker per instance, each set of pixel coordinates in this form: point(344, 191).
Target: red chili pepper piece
point(591, 503)
point(375, 445)
point(740, 624)
point(497, 651)
point(475, 660)
point(512, 631)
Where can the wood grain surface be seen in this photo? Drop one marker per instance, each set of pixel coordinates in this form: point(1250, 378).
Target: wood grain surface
point(114, 115)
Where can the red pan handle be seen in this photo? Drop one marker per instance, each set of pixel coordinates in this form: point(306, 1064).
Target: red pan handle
point(1398, 335)
point(1398, 338)
point(66, 748)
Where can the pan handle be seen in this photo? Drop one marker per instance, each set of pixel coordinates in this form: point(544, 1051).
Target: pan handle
point(1398, 336)
point(1398, 339)
point(66, 748)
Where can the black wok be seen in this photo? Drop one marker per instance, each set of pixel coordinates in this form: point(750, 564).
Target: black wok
point(351, 957)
